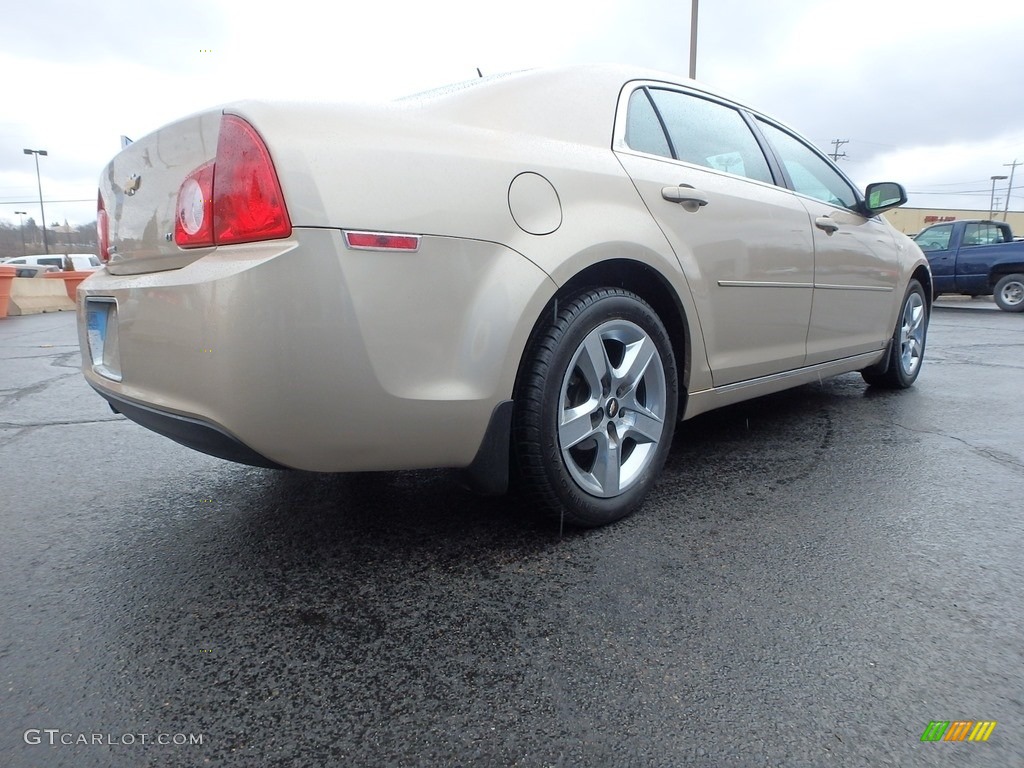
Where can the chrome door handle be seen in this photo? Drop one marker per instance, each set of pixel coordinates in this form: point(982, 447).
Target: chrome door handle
point(684, 193)
point(826, 224)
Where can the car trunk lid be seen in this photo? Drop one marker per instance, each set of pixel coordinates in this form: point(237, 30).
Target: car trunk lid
point(139, 192)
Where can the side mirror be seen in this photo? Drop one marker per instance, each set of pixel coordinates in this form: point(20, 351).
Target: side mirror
point(883, 195)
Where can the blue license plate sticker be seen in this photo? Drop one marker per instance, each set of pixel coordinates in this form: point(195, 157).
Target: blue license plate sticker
point(96, 326)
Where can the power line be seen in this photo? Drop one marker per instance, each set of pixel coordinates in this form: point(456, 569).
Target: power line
point(955, 183)
point(30, 202)
point(835, 154)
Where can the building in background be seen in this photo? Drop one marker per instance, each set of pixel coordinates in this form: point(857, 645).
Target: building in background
point(910, 221)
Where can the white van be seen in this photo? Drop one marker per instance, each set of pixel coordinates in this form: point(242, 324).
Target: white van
point(80, 261)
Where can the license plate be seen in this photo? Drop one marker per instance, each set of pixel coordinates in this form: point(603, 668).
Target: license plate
point(96, 325)
point(101, 332)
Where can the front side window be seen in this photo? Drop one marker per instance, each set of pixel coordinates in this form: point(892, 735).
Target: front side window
point(935, 238)
point(700, 131)
point(810, 174)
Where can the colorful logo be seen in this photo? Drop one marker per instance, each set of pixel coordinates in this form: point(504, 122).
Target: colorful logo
point(958, 730)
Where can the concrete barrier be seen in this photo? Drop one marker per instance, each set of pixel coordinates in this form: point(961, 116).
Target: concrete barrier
point(32, 295)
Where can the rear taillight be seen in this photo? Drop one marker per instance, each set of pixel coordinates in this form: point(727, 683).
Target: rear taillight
point(247, 199)
point(235, 199)
point(102, 230)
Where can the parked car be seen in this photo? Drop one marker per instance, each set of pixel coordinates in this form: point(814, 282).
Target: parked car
point(546, 269)
point(31, 270)
point(83, 262)
point(976, 257)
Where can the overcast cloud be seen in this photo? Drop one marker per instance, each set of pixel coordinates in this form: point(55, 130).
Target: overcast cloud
point(926, 96)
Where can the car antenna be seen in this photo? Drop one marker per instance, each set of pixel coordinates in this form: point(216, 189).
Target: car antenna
point(479, 73)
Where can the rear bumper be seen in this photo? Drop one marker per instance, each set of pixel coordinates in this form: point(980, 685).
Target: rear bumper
point(302, 353)
point(193, 433)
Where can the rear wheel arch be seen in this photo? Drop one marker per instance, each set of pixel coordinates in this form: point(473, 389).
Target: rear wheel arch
point(652, 287)
point(999, 271)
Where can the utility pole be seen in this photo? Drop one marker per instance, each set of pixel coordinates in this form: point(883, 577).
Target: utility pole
point(693, 40)
point(22, 214)
point(992, 198)
point(835, 154)
point(1012, 166)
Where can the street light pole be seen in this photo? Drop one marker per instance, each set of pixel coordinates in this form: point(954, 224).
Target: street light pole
point(37, 153)
point(992, 198)
point(22, 214)
point(693, 40)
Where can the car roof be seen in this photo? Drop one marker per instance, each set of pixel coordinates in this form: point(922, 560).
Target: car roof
point(576, 102)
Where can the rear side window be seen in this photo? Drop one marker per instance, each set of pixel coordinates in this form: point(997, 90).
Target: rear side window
point(710, 134)
point(700, 131)
point(54, 262)
point(643, 129)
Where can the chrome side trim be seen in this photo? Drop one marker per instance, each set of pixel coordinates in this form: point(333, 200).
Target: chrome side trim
point(823, 286)
point(829, 287)
point(761, 284)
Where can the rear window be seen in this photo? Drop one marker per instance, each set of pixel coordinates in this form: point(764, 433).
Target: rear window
point(984, 234)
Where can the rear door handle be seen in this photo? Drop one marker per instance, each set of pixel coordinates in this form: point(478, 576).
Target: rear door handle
point(690, 198)
point(825, 223)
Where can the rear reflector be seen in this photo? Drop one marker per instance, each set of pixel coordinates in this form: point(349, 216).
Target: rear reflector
point(381, 241)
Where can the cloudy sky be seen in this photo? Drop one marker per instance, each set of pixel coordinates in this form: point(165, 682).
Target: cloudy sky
point(927, 93)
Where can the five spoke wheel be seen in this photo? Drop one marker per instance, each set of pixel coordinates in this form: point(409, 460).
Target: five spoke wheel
point(612, 408)
point(595, 407)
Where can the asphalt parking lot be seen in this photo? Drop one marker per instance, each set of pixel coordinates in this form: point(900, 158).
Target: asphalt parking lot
point(819, 575)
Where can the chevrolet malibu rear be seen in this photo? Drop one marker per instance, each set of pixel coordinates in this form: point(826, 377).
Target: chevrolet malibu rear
point(251, 314)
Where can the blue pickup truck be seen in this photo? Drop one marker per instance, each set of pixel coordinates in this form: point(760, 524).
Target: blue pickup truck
point(976, 257)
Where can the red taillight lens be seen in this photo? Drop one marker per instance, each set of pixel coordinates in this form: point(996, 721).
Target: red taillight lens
point(193, 220)
point(102, 230)
point(235, 199)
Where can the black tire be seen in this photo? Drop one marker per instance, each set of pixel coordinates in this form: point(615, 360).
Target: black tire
point(906, 350)
point(1009, 293)
point(615, 440)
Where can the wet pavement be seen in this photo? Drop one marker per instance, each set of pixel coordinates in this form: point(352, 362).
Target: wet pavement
point(818, 575)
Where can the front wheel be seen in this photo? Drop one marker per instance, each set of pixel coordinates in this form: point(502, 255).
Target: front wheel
point(595, 407)
point(906, 350)
point(1009, 293)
